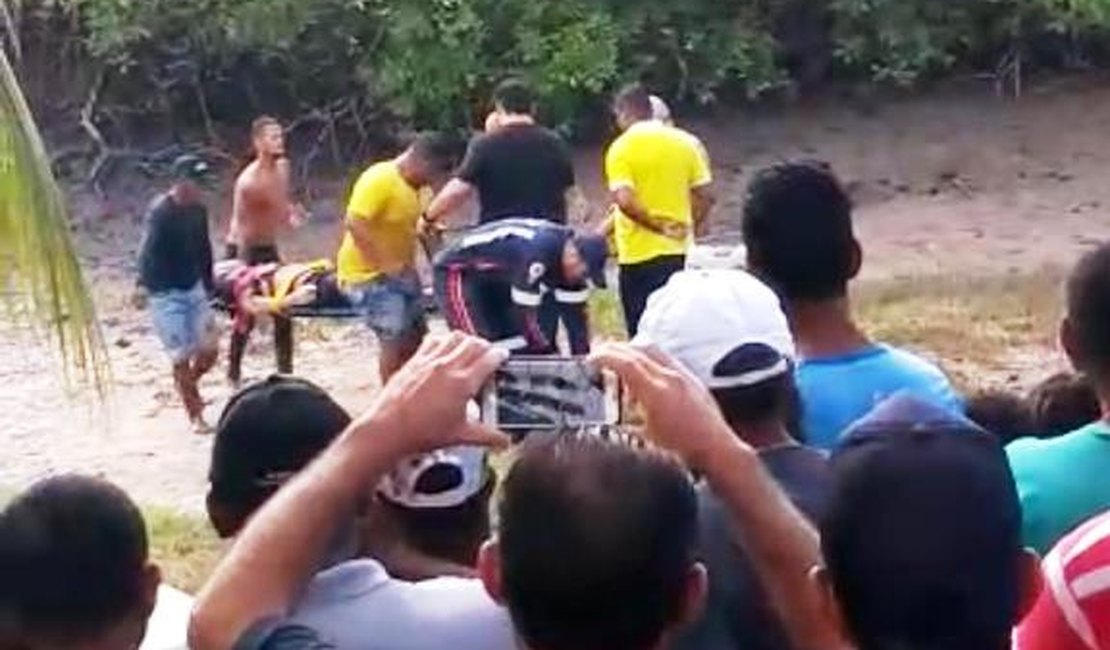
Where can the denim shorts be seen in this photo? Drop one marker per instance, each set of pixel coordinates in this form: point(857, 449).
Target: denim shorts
point(392, 306)
point(184, 322)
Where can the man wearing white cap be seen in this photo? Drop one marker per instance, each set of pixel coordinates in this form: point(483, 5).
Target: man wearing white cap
point(437, 506)
point(417, 589)
point(660, 112)
point(729, 330)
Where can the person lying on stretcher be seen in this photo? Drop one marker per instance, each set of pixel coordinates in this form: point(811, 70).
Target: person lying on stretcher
point(268, 289)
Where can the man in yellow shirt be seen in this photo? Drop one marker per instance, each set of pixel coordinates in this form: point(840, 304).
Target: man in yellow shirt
point(659, 182)
point(376, 262)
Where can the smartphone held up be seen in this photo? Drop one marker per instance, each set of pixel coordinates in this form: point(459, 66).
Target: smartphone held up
point(550, 393)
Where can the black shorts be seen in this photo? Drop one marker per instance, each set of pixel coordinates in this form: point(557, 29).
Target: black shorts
point(253, 255)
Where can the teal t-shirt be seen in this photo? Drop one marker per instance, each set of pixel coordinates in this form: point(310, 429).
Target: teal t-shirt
point(1062, 482)
point(838, 390)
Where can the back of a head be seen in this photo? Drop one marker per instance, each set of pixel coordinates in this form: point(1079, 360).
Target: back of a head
point(597, 544)
point(1088, 297)
point(261, 123)
point(268, 432)
point(515, 96)
point(1063, 403)
point(922, 536)
point(1004, 414)
point(439, 502)
point(73, 556)
point(774, 399)
point(441, 152)
point(797, 227)
point(634, 100)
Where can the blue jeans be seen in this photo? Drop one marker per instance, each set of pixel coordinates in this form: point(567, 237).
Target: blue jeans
point(184, 323)
point(392, 306)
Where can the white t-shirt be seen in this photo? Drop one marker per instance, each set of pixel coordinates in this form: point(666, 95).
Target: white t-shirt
point(168, 626)
point(357, 605)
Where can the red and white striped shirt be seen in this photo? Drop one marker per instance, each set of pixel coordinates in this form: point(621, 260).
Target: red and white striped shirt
point(1073, 611)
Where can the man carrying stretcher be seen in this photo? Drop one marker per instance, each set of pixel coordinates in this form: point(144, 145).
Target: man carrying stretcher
point(250, 292)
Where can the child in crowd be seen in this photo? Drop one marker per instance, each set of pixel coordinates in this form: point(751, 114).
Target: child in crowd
point(1064, 402)
point(1002, 413)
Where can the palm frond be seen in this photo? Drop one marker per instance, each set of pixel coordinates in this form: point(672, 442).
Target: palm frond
point(40, 277)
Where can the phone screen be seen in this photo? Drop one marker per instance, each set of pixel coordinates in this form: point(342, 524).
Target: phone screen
point(550, 393)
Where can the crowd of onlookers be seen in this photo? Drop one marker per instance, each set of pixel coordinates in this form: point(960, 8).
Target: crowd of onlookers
point(802, 487)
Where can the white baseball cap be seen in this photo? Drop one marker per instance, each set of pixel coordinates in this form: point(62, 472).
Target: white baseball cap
point(703, 317)
point(442, 479)
point(659, 109)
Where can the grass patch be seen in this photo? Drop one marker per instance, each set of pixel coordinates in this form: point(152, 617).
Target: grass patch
point(607, 315)
point(969, 325)
point(184, 546)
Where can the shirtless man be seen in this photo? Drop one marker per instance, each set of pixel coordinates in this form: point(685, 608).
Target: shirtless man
point(262, 208)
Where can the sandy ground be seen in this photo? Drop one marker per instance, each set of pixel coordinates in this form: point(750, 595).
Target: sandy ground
point(955, 183)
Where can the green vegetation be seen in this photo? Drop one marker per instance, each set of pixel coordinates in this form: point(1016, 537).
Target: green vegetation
point(41, 282)
point(361, 67)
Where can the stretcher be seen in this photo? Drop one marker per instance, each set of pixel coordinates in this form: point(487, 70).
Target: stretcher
point(338, 312)
point(334, 312)
point(308, 311)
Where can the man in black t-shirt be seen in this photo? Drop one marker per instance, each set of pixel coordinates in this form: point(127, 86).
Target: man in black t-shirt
point(175, 280)
point(520, 169)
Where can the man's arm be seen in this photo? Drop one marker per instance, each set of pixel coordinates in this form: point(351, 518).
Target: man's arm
point(607, 225)
point(237, 203)
point(573, 311)
point(294, 211)
point(530, 320)
point(422, 408)
point(702, 200)
point(449, 200)
point(622, 191)
point(204, 262)
point(461, 188)
point(362, 233)
point(578, 208)
point(625, 198)
point(148, 247)
point(683, 417)
point(527, 296)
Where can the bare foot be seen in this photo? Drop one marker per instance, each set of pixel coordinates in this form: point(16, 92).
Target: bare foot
point(200, 427)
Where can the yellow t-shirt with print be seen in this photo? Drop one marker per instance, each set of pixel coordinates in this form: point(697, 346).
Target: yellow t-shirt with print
point(392, 208)
point(661, 164)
